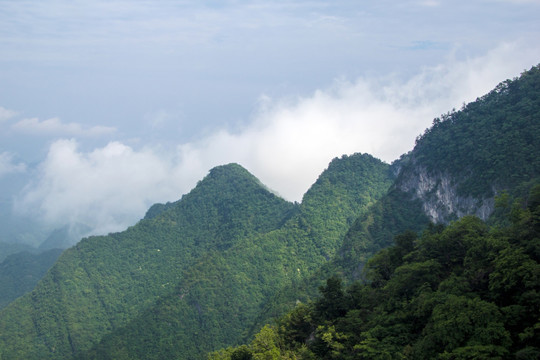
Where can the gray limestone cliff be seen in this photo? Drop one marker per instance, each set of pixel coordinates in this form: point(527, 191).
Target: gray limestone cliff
point(438, 193)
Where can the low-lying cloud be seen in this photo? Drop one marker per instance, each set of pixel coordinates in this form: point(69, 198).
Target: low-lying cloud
point(287, 144)
point(107, 189)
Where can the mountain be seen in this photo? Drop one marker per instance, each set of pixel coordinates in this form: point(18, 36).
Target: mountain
point(222, 295)
point(502, 125)
point(103, 282)
point(208, 271)
point(20, 272)
point(64, 237)
point(7, 249)
point(436, 282)
point(468, 156)
point(462, 291)
point(192, 275)
point(457, 167)
point(22, 266)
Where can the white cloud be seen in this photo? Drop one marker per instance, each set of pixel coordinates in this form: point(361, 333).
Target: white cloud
point(287, 144)
point(6, 114)
point(56, 127)
point(9, 166)
point(107, 189)
point(290, 143)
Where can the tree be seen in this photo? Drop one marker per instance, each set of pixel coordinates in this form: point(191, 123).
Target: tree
point(332, 303)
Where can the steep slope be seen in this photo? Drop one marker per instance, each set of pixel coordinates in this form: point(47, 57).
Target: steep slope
point(467, 156)
point(104, 282)
point(456, 168)
point(219, 298)
point(20, 272)
point(489, 146)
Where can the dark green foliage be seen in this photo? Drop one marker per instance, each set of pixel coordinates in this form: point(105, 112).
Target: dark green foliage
point(20, 272)
point(156, 209)
point(463, 292)
point(332, 303)
point(490, 143)
point(296, 324)
point(242, 353)
point(399, 211)
point(395, 213)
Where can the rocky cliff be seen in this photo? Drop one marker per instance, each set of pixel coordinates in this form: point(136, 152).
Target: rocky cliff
point(438, 192)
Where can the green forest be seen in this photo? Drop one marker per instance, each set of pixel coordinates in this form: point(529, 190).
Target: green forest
point(189, 277)
point(505, 119)
point(20, 272)
point(356, 270)
point(462, 291)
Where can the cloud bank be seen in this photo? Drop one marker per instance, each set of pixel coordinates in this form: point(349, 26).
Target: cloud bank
point(107, 189)
point(287, 144)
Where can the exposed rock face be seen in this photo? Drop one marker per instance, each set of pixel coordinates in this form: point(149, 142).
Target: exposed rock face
point(439, 196)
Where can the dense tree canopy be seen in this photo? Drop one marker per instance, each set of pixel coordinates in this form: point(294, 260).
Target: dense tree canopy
point(192, 276)
point(491, 143)
point(465, 291)
point(20, 272)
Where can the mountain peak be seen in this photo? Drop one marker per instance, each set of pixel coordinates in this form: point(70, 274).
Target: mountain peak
point(230, 171)
point(229, 180)
point(227, 192)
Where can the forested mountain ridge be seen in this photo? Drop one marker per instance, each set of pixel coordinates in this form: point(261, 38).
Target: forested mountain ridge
point(509, 115)
point(103, 282)
point(464, 291)
point(467, 156)
point(456, 168)
point(7, 249)
point(220, 298)
point(195, 275)
point(227, 244)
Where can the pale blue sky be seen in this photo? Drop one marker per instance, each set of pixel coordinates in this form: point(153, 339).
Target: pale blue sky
point(280, 86)
point(205, 64)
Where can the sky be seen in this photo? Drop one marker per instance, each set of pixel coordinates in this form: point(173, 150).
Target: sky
point(107, 107)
